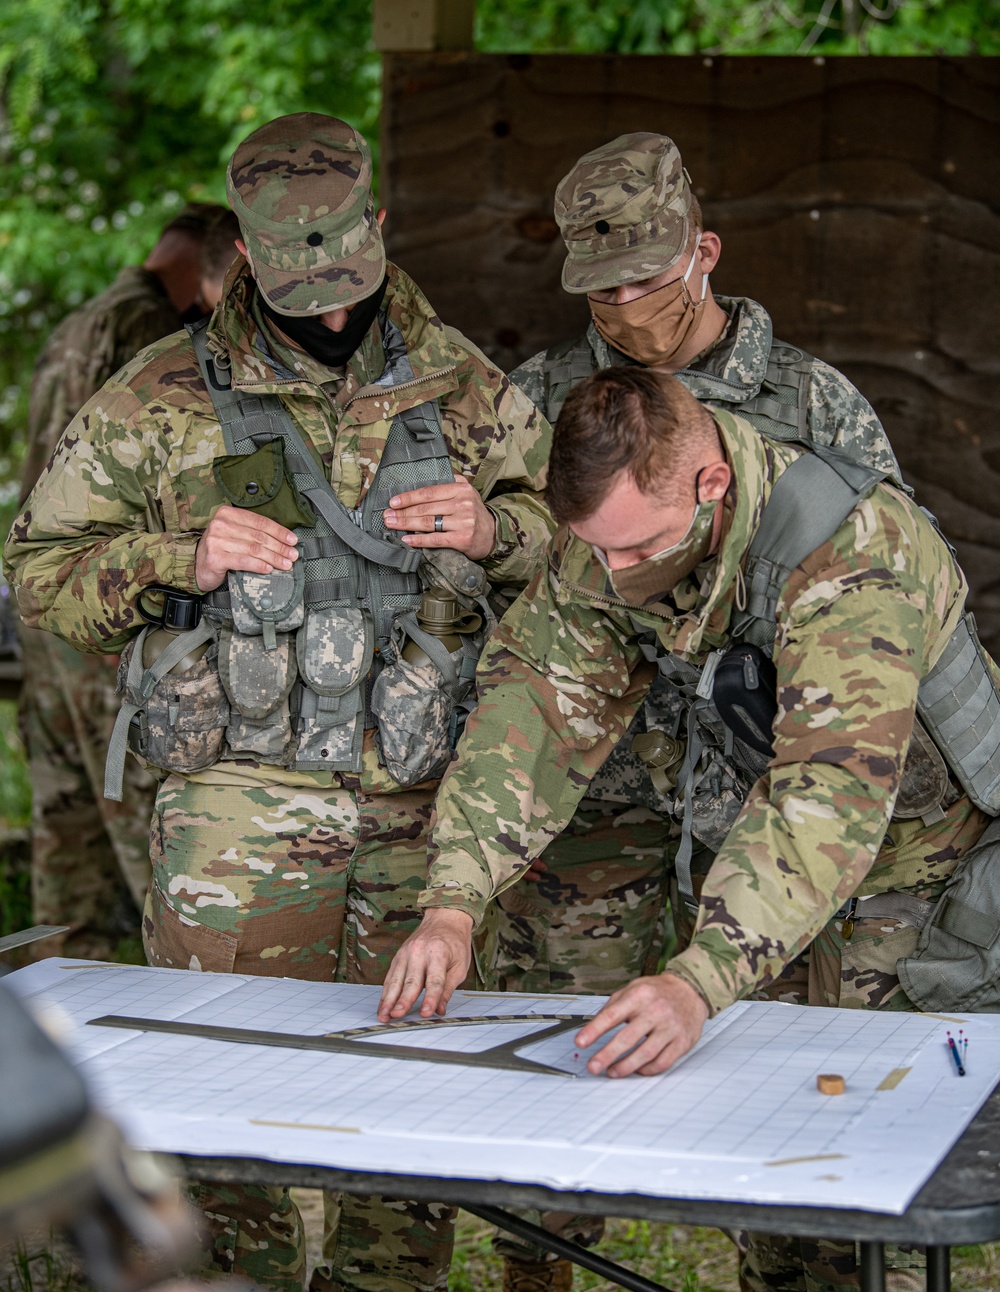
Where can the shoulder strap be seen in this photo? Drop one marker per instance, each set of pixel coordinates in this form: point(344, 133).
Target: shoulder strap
point(566, 364)
point(810, 500)
point(249, 420)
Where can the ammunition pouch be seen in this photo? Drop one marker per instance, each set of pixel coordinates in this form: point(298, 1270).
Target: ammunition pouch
point(173, 721)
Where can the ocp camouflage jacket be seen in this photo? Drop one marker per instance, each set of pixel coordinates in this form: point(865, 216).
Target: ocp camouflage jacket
point(126, 497)
point(859, 622)
point(87, 348)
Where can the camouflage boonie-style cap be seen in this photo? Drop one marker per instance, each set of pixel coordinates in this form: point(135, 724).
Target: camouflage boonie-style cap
point(624, 212)
point(301, 189)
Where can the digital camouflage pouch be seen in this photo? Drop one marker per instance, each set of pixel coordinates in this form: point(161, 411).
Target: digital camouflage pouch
point(262, 482)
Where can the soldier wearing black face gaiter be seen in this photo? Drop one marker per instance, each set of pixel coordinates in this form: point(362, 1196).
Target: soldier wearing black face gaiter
point(327, 347)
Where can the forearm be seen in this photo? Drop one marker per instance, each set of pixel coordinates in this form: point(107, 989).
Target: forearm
point(526, 759)
point(498, 808)
point(85, 590)
point(802, 845)
point(524, 528)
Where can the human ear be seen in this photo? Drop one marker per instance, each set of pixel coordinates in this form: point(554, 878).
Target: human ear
point(713, 481)
point(709, 251)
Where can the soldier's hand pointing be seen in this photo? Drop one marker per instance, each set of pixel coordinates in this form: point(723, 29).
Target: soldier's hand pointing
point(434, 959)
point(239, 539)
point(663, 1018)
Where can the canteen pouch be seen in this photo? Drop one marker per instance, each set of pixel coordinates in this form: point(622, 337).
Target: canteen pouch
point(261, 481)
point(956, 965)
point(180, 726)
point(334, 650)
point(416, 706)
point(257, 681)
point(267, 604)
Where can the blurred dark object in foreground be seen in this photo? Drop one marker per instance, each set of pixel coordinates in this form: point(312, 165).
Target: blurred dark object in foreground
point(63, 1164)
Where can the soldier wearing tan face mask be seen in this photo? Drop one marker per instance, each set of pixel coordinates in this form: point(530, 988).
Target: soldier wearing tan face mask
point(590, 917)
point(659, 323)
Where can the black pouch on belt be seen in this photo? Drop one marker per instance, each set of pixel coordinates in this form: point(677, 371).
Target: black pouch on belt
point(745, 694)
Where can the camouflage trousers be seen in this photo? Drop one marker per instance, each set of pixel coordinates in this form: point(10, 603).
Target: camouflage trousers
point(590, 924)
point(594, 920)
point(89, 856)
point(311, 884)
point(855, 974)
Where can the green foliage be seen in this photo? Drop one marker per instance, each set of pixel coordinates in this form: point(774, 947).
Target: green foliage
point(15, 786)
point(41, 1270)
point(736, 27)
point(115, 112)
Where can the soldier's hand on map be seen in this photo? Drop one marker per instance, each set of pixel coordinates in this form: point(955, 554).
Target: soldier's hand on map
point(239, 539)
point(465, 522)
point(433, 960)
point(664, 1010)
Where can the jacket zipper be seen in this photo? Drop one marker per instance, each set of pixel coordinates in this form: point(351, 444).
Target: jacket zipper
point(607, 600)
point(365, 392)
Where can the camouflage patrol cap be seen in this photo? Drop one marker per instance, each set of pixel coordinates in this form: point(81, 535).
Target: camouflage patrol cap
point(301, 190)
point(624, 212)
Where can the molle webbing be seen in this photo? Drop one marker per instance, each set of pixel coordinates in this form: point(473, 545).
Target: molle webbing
point(959, 705)
point(415, 455)
point(779, 409)
point(566, 364)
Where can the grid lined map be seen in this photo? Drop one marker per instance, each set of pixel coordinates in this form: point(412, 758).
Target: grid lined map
point(738, 1119)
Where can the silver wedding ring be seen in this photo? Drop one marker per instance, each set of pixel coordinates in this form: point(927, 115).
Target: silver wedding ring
point(438, 524)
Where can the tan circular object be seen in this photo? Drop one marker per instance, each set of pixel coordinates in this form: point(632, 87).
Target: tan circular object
point(830, 1083)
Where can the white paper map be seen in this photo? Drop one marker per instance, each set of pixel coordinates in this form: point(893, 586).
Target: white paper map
point(739, 1119)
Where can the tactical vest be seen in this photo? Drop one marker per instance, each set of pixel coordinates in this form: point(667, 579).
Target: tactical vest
point(780, 409)
point(306, 659)
point(958, 702)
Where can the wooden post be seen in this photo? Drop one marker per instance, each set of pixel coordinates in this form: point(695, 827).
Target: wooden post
point(423, 25)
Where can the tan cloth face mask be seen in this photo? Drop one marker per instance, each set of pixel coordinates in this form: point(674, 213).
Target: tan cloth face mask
point(650, 580)
point(654, 327)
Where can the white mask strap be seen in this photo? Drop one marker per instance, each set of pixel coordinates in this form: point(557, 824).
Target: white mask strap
point(694, 257)
point(687, 272)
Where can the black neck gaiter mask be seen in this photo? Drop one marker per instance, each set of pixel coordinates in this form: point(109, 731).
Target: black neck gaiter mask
point(330, 348)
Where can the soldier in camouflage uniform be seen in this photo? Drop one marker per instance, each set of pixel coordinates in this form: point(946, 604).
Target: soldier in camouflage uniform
point(259, 867)
point(90, 856)
point(637, 247)
point(659, 501)
point(592, 915)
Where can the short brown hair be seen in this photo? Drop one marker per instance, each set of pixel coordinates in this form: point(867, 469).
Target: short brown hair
point(696, 222)
point(218, 251)
point(631, 419)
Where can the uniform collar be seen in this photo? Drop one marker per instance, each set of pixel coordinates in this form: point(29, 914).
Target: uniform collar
point(738, 359)
point(265, 363)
